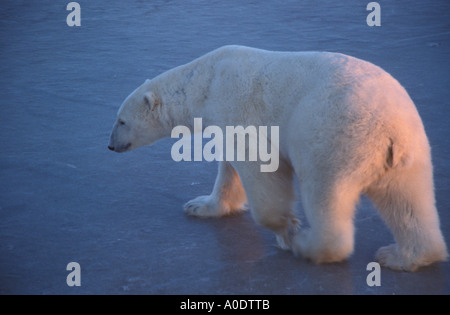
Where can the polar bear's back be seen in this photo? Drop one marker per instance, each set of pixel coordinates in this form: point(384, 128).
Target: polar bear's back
point(285, 79)
point(316, 85)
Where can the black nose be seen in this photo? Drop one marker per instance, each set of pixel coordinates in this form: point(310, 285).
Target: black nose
point(111, 148)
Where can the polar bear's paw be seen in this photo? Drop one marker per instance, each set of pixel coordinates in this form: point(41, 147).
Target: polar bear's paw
point(320, 252)
point(205, 206)
point(390, 257)
point(284, 239)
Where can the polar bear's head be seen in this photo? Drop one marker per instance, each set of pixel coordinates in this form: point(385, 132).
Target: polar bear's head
point(137, 121)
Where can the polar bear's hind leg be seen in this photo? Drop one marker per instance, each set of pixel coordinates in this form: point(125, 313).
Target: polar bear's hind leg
point(405, 200)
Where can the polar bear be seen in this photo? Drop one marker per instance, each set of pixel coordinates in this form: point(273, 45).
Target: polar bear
point(346, 128)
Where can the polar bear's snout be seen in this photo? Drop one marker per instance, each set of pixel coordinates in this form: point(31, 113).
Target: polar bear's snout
point(112, 145)
point(117, 147)
point(120, 148)
point(119, 140)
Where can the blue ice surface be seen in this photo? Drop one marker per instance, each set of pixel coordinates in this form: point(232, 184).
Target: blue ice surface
point(64, 197)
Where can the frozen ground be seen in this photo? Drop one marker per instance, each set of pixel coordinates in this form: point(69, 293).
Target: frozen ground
point(64, 197)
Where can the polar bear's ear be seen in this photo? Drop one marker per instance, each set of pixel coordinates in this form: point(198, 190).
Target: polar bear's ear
point(152, 100)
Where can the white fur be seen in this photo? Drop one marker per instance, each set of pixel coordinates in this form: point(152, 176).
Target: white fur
point(346, 127)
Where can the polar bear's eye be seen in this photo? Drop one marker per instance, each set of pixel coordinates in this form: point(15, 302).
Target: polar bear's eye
point(121, 122)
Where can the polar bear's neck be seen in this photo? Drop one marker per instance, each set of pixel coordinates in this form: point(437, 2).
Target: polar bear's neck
point(183, 91)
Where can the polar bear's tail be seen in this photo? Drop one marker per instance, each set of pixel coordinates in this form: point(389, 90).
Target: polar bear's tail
point(398, 155)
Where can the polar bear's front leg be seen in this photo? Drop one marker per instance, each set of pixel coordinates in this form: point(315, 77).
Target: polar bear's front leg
point(228, 195)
